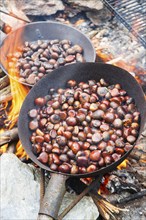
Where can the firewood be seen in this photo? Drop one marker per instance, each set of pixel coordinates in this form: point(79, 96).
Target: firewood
point(5, 94)
point(132, 197)
point(4, 81)
point(11, 147)
point(8, 136)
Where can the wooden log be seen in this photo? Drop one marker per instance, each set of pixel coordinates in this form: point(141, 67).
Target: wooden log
point(5, 94)
point(132, 197)
point(8, 136)
point(11, 147)
point(4, 81)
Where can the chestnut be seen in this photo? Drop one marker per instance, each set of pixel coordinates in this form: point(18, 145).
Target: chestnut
point(40, 101)
point(109, 117)
point(74, 169)
point(82, 161)
point(71, 121)
point(96, 137)
point(64, 168)
point(75, 147)
point(33, 125)
point(95, 155)
point(91, 168)
point(33, 113)
point(98, 114)
point(43, 157)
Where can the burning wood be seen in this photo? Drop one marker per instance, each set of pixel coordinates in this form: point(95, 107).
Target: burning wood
point(8, 136)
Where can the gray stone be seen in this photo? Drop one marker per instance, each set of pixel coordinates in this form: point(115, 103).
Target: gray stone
point(20, 193)
point(99, 17)
point(19, 189)
point(86, 4)
point(37, 8)
point(84, 210)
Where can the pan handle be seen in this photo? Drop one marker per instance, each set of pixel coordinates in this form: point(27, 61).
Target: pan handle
point(53, 197)
point(2, 36)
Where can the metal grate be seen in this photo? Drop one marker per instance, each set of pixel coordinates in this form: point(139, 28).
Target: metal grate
point(132, 13)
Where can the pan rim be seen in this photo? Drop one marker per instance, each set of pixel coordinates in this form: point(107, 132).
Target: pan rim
point(106, 168)
point(49, 22)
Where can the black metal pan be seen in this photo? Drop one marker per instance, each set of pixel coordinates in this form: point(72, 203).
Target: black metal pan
point(58, 78)
point(44, 31)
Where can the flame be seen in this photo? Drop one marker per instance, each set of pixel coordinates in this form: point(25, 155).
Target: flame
point(18, 90)
point(19, 93)
point(123, 164)
point(20, 151)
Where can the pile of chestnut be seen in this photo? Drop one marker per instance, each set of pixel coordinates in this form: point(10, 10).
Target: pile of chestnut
point(35, 59)
point(84, 127)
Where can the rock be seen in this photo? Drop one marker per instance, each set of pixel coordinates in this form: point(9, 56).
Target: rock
point(19, 189)
point(99, 17)
point(86, 4)
point(20, 193)
point(85, 209)
point(37, 8)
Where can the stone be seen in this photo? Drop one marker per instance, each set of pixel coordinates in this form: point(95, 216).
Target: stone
point(20, 193)
point(37, 8)
point(86, 5)
point(85, 209)
point(19, 189)
point(99, 17)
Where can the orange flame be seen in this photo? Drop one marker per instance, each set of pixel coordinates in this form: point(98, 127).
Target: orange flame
point(123, 165)
point(18, 91)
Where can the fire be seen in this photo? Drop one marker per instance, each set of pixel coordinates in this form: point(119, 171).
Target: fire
point(18, 90)
point(123, 165)
point(20, 151)
point(19, 93)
